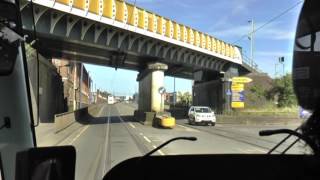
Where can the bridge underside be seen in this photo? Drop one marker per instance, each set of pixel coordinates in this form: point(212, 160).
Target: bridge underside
point(62, 35)
point(75, 38)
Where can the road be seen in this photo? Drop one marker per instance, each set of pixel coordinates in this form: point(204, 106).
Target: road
point(113, 137)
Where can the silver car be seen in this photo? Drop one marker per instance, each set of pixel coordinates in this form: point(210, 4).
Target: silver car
point(201, 115)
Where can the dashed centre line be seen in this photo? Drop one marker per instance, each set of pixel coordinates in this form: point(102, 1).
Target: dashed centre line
point(132, 125)
point(147, 139)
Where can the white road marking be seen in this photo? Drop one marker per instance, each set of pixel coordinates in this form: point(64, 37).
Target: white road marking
point(132, 125)
point(147, 139)
point(161, 153)
point(260, 150)
point(243, 151)
point(81, 132)
point(187, 128)
point(154, 146)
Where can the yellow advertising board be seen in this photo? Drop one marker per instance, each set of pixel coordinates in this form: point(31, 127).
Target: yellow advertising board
point(237, 87)
point(237, 104)
point(241, 80)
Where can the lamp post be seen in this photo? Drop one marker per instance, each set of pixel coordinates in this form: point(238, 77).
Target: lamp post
point(251, 38)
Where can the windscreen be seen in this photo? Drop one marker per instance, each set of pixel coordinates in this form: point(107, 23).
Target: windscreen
point(202, 110)
point(116, 79)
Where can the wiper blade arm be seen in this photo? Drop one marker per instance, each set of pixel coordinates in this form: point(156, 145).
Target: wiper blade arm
point(167, 142)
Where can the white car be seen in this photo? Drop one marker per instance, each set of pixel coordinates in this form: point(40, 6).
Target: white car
point(201, 115)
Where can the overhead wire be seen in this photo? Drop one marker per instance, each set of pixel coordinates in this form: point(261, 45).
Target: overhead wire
point(270, 21)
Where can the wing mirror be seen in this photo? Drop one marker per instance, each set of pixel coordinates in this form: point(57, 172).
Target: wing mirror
point(46, 163)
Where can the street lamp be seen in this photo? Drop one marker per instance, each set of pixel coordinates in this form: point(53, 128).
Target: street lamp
point(251, 38)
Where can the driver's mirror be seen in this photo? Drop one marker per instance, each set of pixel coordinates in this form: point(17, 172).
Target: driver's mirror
point(46, 163)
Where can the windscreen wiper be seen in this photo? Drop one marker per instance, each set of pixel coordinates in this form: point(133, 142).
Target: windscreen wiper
point(166, 143)
point(280, 143)
point(306, 139)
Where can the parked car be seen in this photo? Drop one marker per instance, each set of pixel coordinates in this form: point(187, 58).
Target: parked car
point(201, 115)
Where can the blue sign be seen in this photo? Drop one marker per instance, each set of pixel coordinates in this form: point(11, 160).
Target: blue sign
point(229, 93)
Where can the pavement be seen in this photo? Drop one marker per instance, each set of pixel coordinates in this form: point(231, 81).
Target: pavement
point(113, 137)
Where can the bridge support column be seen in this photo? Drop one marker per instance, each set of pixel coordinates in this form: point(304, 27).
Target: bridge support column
point(213, 89)
point(150, 81)
point(213, 94)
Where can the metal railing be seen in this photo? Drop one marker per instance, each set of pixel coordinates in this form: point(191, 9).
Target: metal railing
point(247, 62)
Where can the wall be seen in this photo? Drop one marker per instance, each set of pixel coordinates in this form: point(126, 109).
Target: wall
point(51, 99)
point(67, 70)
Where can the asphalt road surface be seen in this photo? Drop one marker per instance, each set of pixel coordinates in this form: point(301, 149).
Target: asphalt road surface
point(113, 137)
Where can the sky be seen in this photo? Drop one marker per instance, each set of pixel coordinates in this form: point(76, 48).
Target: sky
point(226, 20)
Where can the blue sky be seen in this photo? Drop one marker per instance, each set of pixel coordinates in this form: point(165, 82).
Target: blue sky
point(226, 20)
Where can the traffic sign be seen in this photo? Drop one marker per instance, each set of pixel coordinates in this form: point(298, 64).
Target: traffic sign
point(237, 104)
point(229, 93)
point(237, 87)
point(237, 97)
point(241, 80)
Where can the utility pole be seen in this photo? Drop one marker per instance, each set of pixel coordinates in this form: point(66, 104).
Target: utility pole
point(80, 86)
point(251, 38)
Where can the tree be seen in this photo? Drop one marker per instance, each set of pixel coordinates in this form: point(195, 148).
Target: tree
point(283, 91)
point(185, 98)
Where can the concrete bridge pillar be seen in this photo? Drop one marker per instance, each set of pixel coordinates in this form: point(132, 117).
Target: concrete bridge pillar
point(150, 101)
point(213, 89)
point(150, 81)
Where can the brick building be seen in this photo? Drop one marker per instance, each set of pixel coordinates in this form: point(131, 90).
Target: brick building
point(70, 72)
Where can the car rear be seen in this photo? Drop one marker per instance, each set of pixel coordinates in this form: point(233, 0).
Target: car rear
point(205, 118)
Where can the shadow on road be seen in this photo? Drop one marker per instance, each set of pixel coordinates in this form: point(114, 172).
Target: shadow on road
point(91, 120)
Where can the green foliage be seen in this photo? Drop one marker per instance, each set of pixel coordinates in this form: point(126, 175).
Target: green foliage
point(282, 92)
point(258, 90)
point(184, 99)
